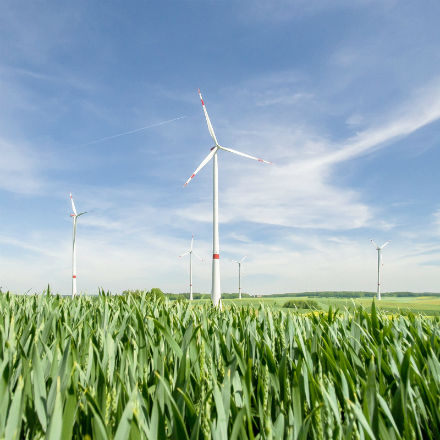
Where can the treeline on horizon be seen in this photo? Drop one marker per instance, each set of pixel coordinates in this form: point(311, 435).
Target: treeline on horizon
point(156, 292)
point(323, 294)
point(360, 294)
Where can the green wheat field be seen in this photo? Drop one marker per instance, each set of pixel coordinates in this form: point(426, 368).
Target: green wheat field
point(144, 367)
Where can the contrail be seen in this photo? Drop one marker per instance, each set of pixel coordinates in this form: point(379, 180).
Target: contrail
point(106, 138)
point(131, 131)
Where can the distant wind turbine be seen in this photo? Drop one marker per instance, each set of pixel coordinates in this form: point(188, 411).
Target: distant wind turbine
point(379, 260)
point(239, 275)
point(215, 290)
point(75, 216)
point(190, 252)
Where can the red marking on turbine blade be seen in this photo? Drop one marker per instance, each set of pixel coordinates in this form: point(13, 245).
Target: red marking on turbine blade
point(216, 256)
point(186, 183)
point(73, 276)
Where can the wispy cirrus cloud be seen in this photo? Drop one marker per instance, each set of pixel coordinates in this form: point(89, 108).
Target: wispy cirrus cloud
point(419, 111)
point(20, 169)
point(298, 191)
point(436, 216)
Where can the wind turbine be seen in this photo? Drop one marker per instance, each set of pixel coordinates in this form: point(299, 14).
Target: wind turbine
point(379, 260)
point(215, 290)
point(75, 216)
point(239, 275)
point(190, 252)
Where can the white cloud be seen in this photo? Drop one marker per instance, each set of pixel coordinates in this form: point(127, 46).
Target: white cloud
point(436, 216)
point(282, 98)
point(419, 111)
point(354, 120)
point(298, 191)
point(19, 169)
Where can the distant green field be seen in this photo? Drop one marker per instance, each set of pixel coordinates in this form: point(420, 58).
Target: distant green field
point(426, 305)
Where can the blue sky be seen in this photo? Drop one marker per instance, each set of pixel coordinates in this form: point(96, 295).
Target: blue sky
point(343, 96)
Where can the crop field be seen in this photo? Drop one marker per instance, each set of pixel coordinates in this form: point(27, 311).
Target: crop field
point(134, 367)
point(429, 306)
point(426, 305)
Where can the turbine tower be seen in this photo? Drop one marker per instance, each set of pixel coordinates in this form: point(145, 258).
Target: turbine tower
point(190, 252)
point(75, 216)
point(379, 260)
point(215, 290)
point(239, 275)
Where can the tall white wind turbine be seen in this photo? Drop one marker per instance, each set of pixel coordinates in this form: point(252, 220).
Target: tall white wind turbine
point(239, 275)
point(190, 252)
point(379, 260)
point(215, 290)
point(75, 216)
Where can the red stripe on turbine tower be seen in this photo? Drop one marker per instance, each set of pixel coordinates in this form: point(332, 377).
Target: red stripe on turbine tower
point(73, 276)
point(216, 256)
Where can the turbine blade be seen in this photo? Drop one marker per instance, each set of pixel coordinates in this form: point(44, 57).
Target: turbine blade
point(82, 213)
point(243, 258)
point(199, 257)
point(374, 244)
point(186, 253)
point(205, 161)
point(208, 121)
point(234, 261)
point(73, 204)
point(385, 244)
point(192, 242)
point(244, 154)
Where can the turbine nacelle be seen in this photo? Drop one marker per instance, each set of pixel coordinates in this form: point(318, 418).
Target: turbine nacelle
point(191, 251)
point(379, 248)
point(217, 147)
point(78, 215)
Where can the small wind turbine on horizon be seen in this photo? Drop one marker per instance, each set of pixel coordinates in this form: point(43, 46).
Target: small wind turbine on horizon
point(239, 274)
point(215, 290)
point(379, 260)
point(190, 252)
point(75, 216)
